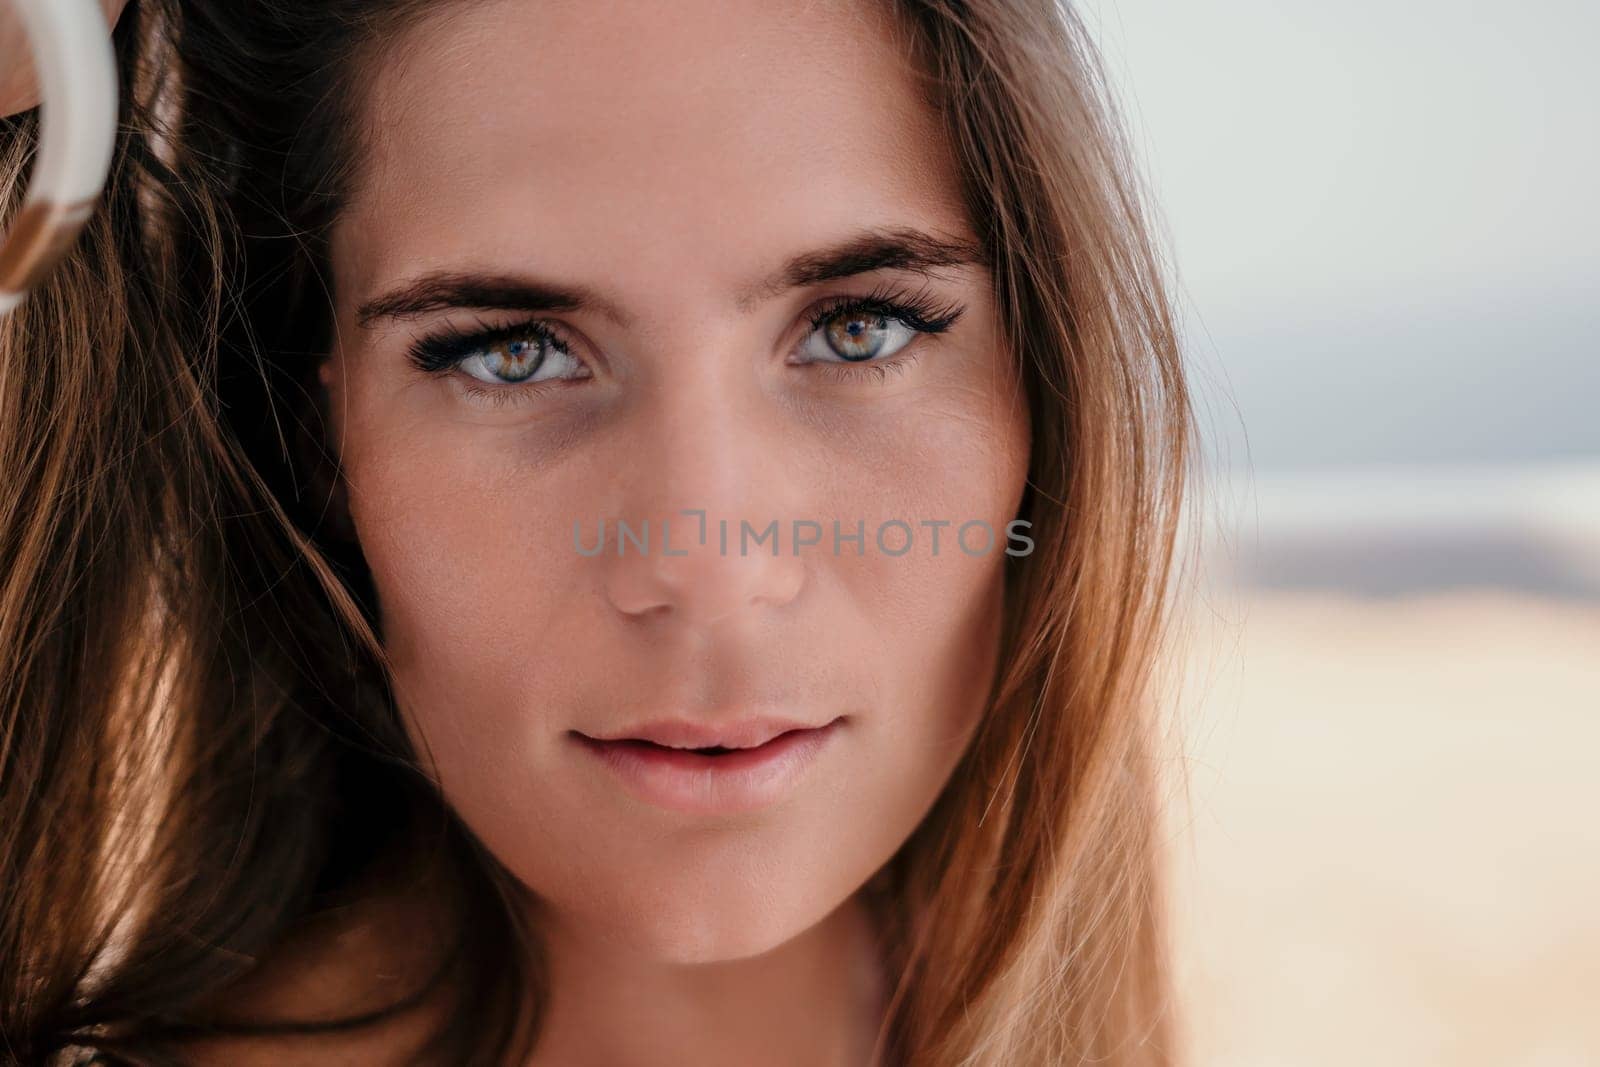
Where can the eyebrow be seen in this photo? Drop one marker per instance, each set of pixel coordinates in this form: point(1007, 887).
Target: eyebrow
point(878, 249)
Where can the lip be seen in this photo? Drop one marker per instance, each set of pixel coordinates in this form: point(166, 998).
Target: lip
point(658, 764)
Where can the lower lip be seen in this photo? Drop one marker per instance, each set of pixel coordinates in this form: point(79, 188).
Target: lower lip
point(685, 781)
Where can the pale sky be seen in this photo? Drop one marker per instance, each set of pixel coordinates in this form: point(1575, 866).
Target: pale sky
point(1384, 218)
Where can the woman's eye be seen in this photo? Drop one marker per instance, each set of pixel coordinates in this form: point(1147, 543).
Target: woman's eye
point(512, 361)
point(855, 336)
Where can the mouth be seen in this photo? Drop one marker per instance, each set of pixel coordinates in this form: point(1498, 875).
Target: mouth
point(707, 769)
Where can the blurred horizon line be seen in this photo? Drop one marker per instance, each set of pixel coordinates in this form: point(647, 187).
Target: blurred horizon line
point(1402, 528)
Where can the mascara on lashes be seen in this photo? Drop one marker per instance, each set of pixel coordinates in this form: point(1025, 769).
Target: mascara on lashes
point(439, 352)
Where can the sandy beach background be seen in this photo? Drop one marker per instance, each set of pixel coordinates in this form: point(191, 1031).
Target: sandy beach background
point(1389, 851)
point(1384, 238)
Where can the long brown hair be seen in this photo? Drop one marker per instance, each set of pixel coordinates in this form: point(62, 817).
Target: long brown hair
point(199, 753)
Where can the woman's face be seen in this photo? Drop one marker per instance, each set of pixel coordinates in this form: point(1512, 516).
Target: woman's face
point(616, 237)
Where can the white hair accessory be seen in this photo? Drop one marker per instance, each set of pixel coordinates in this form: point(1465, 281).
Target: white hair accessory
point(72, 54)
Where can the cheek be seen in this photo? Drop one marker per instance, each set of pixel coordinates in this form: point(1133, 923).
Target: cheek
point(480, 606)
point(945, 477)
point(956, 477)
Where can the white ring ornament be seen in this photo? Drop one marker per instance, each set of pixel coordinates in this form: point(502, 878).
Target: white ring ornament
point(77, 73)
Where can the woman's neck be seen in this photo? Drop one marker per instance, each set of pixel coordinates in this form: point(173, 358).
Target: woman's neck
point(816, 1000)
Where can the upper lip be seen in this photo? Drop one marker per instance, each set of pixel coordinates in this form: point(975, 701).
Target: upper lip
point(697, 733)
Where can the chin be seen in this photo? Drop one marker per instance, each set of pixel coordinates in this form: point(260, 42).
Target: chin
point(709, 920)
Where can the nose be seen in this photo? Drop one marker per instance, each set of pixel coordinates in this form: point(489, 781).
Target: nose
point(707, 504)
point(722, 576)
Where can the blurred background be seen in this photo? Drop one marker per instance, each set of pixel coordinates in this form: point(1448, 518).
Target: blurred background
point(1386, 832)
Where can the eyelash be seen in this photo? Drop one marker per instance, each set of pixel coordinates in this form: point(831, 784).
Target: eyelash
point(441, 352)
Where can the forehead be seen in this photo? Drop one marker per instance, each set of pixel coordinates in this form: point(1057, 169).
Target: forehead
point(696, 139)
